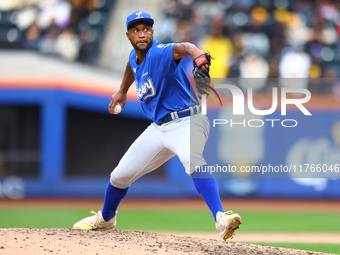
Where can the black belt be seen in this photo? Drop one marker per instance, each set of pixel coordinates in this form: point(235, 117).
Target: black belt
point(192, 110)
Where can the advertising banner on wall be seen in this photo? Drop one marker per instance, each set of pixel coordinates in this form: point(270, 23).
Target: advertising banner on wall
point(284, 142)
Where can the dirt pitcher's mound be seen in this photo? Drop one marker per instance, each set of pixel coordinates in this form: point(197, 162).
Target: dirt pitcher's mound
point(68, 241)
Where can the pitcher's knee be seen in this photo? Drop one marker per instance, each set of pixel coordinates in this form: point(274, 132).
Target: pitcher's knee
point(193, 163)
point(119, 180)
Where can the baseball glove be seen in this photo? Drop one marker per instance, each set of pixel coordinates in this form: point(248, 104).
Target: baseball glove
point(202, 77)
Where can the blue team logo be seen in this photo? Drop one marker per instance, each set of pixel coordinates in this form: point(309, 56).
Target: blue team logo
point(146, 90)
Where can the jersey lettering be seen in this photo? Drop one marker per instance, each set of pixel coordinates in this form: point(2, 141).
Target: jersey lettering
point(146, 90)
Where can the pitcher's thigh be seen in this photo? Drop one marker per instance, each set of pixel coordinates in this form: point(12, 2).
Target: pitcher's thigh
point(187, 141)
point(144, 155)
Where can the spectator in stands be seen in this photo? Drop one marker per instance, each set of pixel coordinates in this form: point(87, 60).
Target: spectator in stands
point(185, 32)
point(32, 37)
point(26, 17)
point(56, 12)
point(234, 70)
point(255, 37)
point(88, 49)
point(79, 15)
point(48, 43)
point(220, 48)
point(68, 44)
point(294, 64)
point(296, 32)
point(254, 71)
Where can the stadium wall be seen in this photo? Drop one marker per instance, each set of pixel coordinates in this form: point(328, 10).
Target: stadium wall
point(79, 143)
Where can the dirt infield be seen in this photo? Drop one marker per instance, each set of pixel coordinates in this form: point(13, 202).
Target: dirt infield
point(329, 238)
point(67, 241)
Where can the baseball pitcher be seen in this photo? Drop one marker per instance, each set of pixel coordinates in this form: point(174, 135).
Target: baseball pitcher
point(168, 100)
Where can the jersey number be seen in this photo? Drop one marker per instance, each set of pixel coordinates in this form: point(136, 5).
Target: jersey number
point(146, 90)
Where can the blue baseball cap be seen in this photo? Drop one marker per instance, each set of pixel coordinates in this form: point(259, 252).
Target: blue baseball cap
point(138, 16)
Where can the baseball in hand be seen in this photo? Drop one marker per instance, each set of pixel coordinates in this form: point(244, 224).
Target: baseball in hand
point(118, 109)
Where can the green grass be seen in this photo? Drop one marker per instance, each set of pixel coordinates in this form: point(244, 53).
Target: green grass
point(319, 247)
point(42, 218)
point(174, 221)
point(252, 221)
point(291, 222)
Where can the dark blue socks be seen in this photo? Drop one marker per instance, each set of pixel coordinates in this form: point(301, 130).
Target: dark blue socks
point(206, 185)
point(113, 196)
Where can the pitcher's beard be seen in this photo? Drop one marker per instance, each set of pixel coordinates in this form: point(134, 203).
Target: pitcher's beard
point(136, 47)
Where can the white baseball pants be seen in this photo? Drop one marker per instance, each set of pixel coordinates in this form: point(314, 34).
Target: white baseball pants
point(184, 137)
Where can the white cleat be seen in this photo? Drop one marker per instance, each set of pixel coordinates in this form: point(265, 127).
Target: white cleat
point(227, 223)
point(95, 222)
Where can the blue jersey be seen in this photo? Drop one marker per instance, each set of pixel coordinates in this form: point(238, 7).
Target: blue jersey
point(162, 85)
